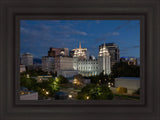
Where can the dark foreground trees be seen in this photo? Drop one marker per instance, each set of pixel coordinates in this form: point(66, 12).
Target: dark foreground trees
point(46, 88)
point(122, 69)
point(95, 92)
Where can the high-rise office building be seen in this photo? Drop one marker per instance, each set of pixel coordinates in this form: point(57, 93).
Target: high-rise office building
point(64, 66)
point(71, 53)
point(27, 59)
point(113, 51)
point(47, 64)
point(63, 63)
point(54, 52)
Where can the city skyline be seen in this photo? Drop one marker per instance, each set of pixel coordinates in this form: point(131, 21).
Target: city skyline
point(37, 36)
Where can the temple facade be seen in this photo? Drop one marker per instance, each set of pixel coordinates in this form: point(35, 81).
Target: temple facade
point(91, 67)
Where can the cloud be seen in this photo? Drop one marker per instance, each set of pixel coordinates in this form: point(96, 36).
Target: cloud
point(122, 26)
point(136, 46)
point(107, 36)
point(123, 53)
point(128, 48)
point(98, 21)
point(129, 25)
point(132, 26)
point(55, 21)
point(48, 32)
point(66, 29)
point(78, 32)
point(101, 39)
point(124, 49)
point(113, 33)
point(24, 30)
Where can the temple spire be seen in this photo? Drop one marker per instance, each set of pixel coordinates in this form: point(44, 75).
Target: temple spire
point(104, 45)
point(80, 45)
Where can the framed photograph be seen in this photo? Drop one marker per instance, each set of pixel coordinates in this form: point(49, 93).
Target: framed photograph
point(100, 71)
point(79, 60)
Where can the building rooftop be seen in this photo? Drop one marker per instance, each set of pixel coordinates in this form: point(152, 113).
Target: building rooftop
point(129, 78)
point(26, 91)
point(27, 54)
point(109, 44)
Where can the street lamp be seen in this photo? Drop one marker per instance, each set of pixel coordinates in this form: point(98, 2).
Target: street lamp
point(47, 92)
point(87, 97)
point(70, 96)
point(109, 84)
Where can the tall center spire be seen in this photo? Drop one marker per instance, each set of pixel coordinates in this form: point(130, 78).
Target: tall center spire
point(80, 45)
point(104, 45)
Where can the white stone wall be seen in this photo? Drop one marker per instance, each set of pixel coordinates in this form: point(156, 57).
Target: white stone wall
point(92, 67)
point(107, 68)
point(87, 67)
point(132, 83)
point(75, 63)
point(104, 64)
point(67, 74)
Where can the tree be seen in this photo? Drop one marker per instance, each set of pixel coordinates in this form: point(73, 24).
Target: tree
point(28, 82)
point(78, 80)
point(102, 79)
point(137, 92)
point(61, 79)
point(54, 74)
point(47, 88)
point(122, 69)
point(51, 86)
point(95, 92)
point(33, 73)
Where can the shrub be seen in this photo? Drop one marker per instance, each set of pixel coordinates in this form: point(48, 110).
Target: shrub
point(62, 79)
point(95, 92)
point(122, 90)
point(137, 92)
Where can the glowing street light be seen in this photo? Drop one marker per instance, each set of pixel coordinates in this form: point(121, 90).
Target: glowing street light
point(57, 80)
point(28, 76)
point(75, 81)
point(87, 97)
point(70, 96)
point(109, 84)
point(47, 92)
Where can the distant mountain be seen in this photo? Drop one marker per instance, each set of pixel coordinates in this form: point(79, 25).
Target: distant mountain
point(37, 60)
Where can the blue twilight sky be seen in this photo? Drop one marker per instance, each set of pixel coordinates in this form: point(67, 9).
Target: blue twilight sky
point(37, 36)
